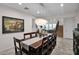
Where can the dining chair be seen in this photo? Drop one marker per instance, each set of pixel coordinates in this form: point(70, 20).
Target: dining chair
point(17, 45)
point(50, 41)
point(27, 35)
point(30, 35)
point(34, 34)
point(54, 40)
point(19, 50)
point(44, 48)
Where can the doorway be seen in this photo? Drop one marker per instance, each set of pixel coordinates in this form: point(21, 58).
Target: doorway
point(60, 31)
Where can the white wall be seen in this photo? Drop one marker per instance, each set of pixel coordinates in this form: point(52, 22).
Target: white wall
point(76, 20)
point(6, 40)
point(69, 25)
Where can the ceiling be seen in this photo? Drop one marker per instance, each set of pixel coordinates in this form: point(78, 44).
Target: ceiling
point(45, 9)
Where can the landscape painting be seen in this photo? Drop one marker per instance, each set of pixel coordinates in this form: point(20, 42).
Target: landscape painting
point(10, 25)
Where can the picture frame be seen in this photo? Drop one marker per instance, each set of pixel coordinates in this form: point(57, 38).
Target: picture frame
point(12, 25)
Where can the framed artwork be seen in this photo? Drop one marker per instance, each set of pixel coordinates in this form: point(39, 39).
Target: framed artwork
point(12, 25)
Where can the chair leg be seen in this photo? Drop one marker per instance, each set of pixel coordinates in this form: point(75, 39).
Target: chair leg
point(20, 52)
point(15, 51)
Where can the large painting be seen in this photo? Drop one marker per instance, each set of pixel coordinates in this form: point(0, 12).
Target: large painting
point(10, 25)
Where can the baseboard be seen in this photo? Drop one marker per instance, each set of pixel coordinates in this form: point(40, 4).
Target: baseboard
point(69, 38)
point(6, 49)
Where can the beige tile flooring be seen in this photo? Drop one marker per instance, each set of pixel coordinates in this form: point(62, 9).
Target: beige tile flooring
point(63, 47)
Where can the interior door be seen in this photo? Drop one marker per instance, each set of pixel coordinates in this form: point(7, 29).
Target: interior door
point(60, 31)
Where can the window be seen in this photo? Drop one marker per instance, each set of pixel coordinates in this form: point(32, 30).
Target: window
point(47, 28)
point(54, 25)
point(50, 26)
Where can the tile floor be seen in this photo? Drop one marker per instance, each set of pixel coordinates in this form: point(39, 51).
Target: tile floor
point(64, 47)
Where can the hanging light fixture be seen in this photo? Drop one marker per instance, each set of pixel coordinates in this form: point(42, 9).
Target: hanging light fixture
point(41, 21)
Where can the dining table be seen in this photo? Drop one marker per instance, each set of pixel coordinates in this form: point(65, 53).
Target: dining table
point(33, 44)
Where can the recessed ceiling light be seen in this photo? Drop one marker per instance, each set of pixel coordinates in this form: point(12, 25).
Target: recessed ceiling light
point(20, 3)
point(61, 4)
point(38, 12)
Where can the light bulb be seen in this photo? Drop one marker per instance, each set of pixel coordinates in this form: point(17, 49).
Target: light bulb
point(61, 4)
point(20, 3)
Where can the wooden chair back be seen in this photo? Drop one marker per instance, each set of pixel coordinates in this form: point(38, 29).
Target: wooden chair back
point(17, 45)
point(30, 35)
point(44, 45)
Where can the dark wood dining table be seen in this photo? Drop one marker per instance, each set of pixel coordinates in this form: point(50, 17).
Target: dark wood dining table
point(32, 45)
point(32, 42)
point(37, 44)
